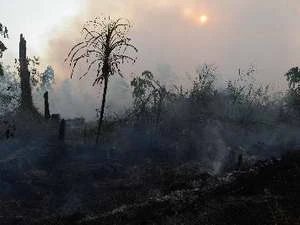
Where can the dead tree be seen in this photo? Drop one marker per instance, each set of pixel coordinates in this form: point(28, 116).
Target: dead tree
point(46, 106)
point(7, 133)
point(26, 97)
point(61, 131)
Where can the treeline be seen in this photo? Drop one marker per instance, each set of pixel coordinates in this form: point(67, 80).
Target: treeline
point(204, 122)
point(220, 127)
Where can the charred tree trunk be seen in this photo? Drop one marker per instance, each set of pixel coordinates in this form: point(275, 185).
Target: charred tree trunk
point(102, 108)
point(61, 131)
point(46, 106)
point(26, 97)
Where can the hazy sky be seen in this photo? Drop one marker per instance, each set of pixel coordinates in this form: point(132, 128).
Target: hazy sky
point(172, 35)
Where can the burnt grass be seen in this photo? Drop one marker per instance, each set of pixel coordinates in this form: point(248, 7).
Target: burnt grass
point(66, 185)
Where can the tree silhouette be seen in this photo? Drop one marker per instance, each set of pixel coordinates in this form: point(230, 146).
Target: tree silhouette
point(293, 77)
point(4, 34)
point(148, 94)
point(2, 48)
point(104, 47)
point(3, 31)
point(25, 76)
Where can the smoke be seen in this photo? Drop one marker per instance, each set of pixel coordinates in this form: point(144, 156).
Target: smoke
point(237, 34)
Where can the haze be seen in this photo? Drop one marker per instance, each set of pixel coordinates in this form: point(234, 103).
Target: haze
point(173, 38)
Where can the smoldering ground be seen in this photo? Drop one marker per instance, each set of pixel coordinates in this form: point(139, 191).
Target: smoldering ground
point(201, 132)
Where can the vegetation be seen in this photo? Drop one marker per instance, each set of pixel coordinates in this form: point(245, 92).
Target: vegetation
point(198, 154)
point(149, 95)
point(293, 77)
point(9, 92)
point(105, 45)
point(4, 34)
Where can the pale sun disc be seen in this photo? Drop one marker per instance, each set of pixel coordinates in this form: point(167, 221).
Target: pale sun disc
point(203, 19)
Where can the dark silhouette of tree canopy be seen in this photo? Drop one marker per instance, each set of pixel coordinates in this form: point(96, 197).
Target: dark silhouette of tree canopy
point(293, 77)
point(149, 94)
point(104, 47)
point(4, 34)
point(3, 31)
point(2, 48)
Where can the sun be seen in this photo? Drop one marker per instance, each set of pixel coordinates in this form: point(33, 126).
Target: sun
point(203, 19)
point(195, 16)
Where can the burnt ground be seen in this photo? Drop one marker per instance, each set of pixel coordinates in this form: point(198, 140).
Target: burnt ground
point(59, 184)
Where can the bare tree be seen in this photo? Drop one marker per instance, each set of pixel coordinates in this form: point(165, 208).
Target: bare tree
point(26, 95)
point(105, 47)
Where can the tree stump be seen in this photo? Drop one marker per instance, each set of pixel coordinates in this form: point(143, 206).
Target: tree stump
point(26, 97)
point(61, 131)
point(46, 106)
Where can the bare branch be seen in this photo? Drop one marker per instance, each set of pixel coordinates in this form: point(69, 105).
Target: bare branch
point(70, 52)
point(75, 62)
point(90, 66)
